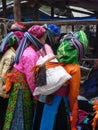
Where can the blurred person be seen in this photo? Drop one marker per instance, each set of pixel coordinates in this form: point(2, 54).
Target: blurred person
point(7, 48)
point(19, 112)
point(70, 51)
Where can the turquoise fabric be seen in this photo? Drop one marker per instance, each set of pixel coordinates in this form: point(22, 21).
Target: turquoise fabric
point(50, 111)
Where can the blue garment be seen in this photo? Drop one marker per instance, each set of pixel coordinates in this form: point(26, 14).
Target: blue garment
point(18, 120)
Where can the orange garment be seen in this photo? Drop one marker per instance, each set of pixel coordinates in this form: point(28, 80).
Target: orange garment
point(74, 83)
point(11, 77)
point(8, 81)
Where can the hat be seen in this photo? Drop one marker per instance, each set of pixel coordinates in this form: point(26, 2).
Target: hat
point(37, 31)
point(17, 26)
point(54, 29)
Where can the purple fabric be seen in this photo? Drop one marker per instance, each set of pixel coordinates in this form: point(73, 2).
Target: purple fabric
point(63, 91)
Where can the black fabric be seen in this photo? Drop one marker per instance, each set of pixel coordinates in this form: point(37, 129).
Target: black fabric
point(96, 126)
point(37, 118)
point(62, 119)
point(3, 107)
point(85, 105)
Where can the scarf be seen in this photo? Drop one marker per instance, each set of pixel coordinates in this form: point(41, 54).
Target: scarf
point(23, 44)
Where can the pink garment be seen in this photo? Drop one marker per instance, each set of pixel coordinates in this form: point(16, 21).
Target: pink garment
point(46, 50)
point(28, 61)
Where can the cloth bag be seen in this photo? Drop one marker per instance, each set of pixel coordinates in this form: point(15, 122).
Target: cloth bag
point(56, 76)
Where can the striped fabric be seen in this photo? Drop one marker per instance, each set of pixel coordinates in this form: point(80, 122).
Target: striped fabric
point(23, 44)
point(5, 40)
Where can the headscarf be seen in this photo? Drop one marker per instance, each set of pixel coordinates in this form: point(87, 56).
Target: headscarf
point(32, 35)
point(17, 26)
point(16, 33)
point(9, 39)
point(52, 31)
point(37, 31)
point(73, 47)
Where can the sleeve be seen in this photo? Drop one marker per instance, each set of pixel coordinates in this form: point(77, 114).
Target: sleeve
point(74, 83)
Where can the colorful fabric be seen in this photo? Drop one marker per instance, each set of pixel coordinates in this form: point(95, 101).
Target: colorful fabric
point(26, 63)
point(72, 47)
point(19, 84)
point(47, 111)
point(59, 115)
point(37, 31)
point(23, 44)
point(18, 121)
point(19, 34)
point(10, 38)
point(5, 40)
point(6, 64)
point(54, 29)
point(17, 26)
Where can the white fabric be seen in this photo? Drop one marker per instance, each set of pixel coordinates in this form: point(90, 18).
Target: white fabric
point(42, 60)
point(56, 77)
